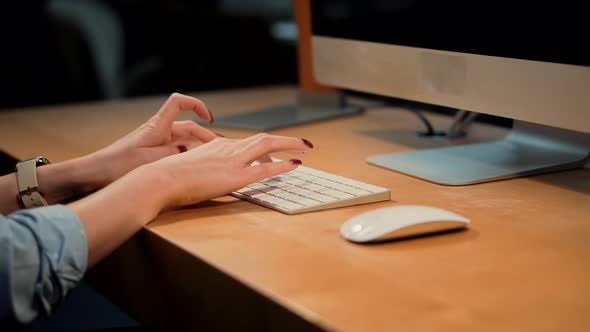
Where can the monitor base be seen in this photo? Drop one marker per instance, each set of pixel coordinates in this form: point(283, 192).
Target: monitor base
point(528, 149)
point(310, 107)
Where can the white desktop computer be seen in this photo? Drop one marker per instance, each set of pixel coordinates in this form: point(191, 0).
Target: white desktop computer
point(524, 60)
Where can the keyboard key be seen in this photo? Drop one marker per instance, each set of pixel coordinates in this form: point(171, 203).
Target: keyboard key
point(338, 194)
point(323, 198)
point(306, 201)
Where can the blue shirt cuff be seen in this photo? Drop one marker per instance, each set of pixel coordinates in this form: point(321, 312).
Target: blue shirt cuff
point(46, 257)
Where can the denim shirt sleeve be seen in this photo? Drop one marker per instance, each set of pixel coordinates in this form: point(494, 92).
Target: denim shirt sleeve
point(43, 255)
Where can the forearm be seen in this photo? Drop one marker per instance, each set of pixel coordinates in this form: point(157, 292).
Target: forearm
point(112, 215)
point(9, 191)
point(60, 181)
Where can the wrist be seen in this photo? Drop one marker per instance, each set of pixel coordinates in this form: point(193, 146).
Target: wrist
point(152, 188)
point(65, 180)
point(163, 182)
point(111, 164)
point(95, 170)
point(104, 167)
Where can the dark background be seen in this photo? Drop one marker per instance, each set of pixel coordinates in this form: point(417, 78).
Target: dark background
point(56, 51)
point(526, 29)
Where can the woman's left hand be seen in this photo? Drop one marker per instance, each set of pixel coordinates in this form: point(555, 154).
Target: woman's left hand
point(159, 137)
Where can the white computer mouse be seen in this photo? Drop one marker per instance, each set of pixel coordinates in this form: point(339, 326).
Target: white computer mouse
point(399, 222)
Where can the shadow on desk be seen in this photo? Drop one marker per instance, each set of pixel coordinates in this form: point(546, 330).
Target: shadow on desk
point(577, 180)
point(410, 138)
point(426, 242)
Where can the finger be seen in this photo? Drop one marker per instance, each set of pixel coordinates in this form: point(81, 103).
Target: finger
point(266, 170)
point(182, 129)
point(265, 159)
point(191, 142)
point(263, 144)
point(178, 102)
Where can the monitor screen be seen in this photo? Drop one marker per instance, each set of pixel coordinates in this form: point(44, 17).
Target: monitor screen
point(546, 31)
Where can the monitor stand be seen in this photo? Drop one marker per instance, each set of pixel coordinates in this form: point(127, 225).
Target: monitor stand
point(528, 149)
point(310, 107)
point(458, 128)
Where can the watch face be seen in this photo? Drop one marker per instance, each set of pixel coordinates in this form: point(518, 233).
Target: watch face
point(41, 161)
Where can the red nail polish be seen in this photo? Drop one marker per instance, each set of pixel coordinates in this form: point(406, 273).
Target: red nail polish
point(308, 143)
point(296, 161)
point(211, 115)
point(182, 148)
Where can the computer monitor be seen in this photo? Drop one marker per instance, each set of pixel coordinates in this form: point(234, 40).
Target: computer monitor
point(524, 60)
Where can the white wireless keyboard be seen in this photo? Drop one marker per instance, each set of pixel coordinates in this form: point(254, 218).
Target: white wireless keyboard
point(306, 189)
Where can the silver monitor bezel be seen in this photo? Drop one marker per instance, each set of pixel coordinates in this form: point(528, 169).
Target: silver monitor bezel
point(545, 93)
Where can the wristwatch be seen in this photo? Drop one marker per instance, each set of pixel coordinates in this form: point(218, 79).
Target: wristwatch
point(29, 195)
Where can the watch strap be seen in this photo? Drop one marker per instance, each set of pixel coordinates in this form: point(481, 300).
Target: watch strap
point(28, 187)
point(26, 175)
point(32, 199)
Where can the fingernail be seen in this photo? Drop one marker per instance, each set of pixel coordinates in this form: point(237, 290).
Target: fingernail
point(211, 115)
point(182, 148)
point(218, 134)
point(296, 161)
point(308, 143)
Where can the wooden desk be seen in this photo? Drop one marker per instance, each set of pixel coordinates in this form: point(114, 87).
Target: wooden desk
point(524, 265)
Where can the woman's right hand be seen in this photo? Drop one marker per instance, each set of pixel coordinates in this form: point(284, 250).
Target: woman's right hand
point(113, 214)
point(221, 166)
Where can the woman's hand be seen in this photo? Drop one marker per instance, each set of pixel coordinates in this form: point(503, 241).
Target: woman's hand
point(113, 214)
point(224, 165)
point(159, 137)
